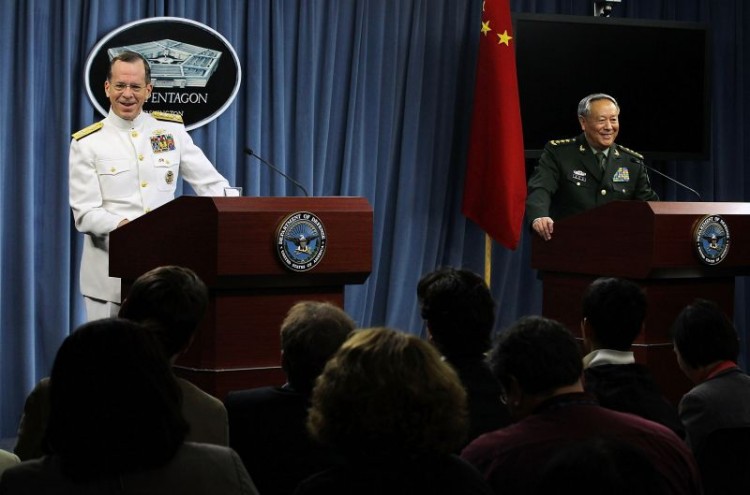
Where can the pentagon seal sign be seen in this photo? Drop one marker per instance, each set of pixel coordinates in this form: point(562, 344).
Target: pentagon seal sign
point(711, 236)
point(195, 71)
point(301, 241)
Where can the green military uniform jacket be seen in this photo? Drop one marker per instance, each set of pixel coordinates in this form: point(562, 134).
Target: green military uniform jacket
point(568, 180)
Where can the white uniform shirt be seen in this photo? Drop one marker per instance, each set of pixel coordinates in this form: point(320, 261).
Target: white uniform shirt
point(122, 170)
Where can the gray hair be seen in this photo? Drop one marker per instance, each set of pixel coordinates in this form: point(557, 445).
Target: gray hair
point(584, 106)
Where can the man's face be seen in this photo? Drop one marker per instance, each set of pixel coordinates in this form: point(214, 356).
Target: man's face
point(127, 90)
point(601, 125)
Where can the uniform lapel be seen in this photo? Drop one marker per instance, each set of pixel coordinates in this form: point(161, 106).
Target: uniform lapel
point(614, 161)
point(588, 160)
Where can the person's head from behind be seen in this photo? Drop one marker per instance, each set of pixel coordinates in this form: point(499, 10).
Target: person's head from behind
point(114, 403)
point(459, 310)
point(386, 393)
point(608, 465)
point(613, 313)
point(533, 360)
point(703, 336)
point(174, 298)
point(599, 117)
point(310, 334)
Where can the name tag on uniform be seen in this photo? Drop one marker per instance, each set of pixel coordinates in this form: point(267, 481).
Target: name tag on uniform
point(578, 175)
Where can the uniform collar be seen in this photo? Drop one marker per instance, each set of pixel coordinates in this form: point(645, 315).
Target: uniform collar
point(125, 125)
point(584, 146)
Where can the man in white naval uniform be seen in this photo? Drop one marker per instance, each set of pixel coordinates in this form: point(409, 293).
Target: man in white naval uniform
point(124, 166)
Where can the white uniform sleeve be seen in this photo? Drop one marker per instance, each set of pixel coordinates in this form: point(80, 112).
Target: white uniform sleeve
point(197, 170)
point(85, 194)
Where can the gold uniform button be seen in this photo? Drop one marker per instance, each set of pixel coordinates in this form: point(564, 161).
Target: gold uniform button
point(146, 210)
point(144, 184)
point(140, 157)
point(604, 193)
point(113, 170)
point(134, 134)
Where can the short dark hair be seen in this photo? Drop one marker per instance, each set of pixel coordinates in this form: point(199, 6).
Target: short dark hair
point(388, 393)
point(541, 354)
point(130, 57)
point(310, 334)
point(615, 308)
point(174, 298)
point(114, 402)
point(459, 309)
point(703, 334)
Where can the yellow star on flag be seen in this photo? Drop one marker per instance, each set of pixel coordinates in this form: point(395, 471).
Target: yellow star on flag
point(504, 38)
point(486, 27)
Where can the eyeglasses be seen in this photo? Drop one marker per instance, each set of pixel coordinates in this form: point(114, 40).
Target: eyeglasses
point(135, 88)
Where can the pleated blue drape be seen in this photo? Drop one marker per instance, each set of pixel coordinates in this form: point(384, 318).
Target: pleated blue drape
point(352, 97)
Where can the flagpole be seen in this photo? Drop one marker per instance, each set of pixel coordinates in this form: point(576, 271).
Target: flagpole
point(487, 259)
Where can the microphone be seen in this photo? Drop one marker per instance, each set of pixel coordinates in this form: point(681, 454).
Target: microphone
point(250, 152)
point(652, 169)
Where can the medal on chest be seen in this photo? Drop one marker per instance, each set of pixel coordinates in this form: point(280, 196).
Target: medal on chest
point(162, 142)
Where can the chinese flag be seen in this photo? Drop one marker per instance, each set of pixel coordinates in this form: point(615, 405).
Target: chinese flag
point(495, 187)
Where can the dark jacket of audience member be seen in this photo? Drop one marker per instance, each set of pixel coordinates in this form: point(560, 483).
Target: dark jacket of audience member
point(267, 425)
point(171, 301)
point(707, 346)
point(115, 424)
point(395, 411)
point(460, 313)
point(538, 361)
point(614, 311)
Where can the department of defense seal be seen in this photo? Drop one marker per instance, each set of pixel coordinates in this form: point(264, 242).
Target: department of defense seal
point(301, 241)
point(711, 236)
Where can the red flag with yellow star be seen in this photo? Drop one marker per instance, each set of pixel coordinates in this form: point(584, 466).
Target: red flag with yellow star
point(495, 186)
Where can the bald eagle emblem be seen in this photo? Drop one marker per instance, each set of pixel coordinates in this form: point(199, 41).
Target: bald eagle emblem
point(301, 241)
point(711, 238)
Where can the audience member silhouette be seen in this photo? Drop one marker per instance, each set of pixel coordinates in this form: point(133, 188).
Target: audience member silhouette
point(538, 362)
point(707, 346)
point(396, 412)
point(605, 465)
point(172, 300)
point(459, 311)
point(115, 424)
point(267, 425)
point(175, 299)
point(614, 311)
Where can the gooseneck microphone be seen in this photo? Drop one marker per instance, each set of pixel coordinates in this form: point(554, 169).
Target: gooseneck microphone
point(250, 152)
point(652, 169)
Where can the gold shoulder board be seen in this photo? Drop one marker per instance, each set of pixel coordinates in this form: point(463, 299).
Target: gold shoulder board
point(87, 130)
point(556, 142)
point(171, 117)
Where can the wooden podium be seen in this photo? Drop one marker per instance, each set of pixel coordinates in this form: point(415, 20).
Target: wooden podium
point(231, 243)
point(651, 243)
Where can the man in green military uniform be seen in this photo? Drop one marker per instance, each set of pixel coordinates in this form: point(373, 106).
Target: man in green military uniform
point(574, 175)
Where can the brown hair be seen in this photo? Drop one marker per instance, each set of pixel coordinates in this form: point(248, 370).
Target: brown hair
point(386, 392)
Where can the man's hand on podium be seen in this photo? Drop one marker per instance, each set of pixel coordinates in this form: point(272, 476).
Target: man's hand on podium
point(544, 226)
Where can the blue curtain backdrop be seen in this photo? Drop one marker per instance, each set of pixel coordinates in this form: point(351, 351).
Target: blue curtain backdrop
point(352, 97)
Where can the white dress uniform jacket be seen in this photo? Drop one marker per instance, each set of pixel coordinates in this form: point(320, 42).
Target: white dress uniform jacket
point(121, 169)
